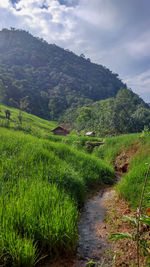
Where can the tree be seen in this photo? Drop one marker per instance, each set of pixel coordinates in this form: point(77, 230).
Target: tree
point(2, 92)
point(84, 117)
point(23, 106)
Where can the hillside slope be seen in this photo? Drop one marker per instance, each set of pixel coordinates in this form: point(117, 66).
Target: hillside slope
point(30, 124)
point(42, 184)
point(54, 79)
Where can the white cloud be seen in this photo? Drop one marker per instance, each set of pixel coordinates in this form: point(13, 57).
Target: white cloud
point(139, 47)
point(97, 14)
point(141, 84)
point(112, 33)
point(4, 3)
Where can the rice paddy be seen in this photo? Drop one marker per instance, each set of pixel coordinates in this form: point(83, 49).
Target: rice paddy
point(43, 184)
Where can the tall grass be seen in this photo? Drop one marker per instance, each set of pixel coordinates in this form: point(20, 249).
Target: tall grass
point(42, 183)
point(130, 186)
point(36, 214)
point(91, 169)
point(31, 124)
point(114, 146)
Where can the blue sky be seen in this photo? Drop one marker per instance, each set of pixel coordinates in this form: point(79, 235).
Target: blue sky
point(114, 33)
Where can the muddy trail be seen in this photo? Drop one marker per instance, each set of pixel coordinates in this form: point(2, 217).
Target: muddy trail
point(93, 241)
point(93, 244)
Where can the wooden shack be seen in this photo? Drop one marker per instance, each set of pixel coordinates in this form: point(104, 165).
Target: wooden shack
point(60, 130)
point(90, 134)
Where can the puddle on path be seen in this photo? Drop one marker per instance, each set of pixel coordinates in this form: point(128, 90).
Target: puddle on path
point(93, 242)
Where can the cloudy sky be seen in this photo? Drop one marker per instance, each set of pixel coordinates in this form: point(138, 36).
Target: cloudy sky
point(114, 33)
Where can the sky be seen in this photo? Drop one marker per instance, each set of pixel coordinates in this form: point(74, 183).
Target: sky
point(114, 33)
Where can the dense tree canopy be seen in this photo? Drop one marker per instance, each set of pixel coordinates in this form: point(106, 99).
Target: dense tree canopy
point(54, 79)
point(121, 114)
point(60, 85)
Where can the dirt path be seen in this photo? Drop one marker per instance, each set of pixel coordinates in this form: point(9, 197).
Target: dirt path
point(93, 242)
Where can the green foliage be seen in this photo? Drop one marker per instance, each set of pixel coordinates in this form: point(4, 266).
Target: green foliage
point(30, 123)
point(84, 116)
point(145, 133)
point(62, 86)
point(91, 169)
point(115, 145)
point(131, 184)
point(138, 234)
point(37, 211)
point(2, 92)
point(130, 220)
point(54, 79)
point(125, 113)
point(142, 241)
point(42, 184)
point(118, 236)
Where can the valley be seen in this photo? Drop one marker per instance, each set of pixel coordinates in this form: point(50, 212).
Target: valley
point(45, 181)
point(68, 128)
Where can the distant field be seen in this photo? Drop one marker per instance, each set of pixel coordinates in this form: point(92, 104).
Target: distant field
point(40, 128)
point(42, 186)
point(31, 124)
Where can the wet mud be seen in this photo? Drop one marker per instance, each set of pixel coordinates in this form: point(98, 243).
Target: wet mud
point(93, 241)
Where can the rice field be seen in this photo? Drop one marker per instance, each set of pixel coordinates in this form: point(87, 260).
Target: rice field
point(43, 185)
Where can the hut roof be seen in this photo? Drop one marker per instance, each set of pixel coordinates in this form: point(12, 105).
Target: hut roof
point(61, 127)
point(89, 133)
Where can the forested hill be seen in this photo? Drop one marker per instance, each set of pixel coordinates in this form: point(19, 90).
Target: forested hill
point(54, 79)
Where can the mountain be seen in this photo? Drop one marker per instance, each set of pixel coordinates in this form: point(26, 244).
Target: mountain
point(51, 78)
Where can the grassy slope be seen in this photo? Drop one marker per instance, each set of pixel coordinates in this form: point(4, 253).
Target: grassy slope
point(41, 185)
point(31, 124)
point(114, 146)
point(131, 185)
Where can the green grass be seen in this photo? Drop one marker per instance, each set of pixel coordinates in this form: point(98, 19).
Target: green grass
point(40, 128)
point(91, 169)
point(31, 124)
point(42, 184)
point(114, 146)
point(36, 215)
point(44, 180)
point(130, 186)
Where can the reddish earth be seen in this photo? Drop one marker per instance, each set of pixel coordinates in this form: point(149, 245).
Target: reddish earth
point(123, 159)
point(124, 250)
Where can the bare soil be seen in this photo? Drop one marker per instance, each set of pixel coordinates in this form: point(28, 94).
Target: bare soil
point(123, 159)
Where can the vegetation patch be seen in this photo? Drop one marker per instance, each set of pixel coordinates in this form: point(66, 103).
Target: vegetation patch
point(42, 184)
point(133, 150)
point(124, 250)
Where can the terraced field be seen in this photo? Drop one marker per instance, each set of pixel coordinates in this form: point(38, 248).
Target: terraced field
point(43, 184)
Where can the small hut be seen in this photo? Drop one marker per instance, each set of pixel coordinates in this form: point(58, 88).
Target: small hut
point(60, 130)
point(90, 134)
